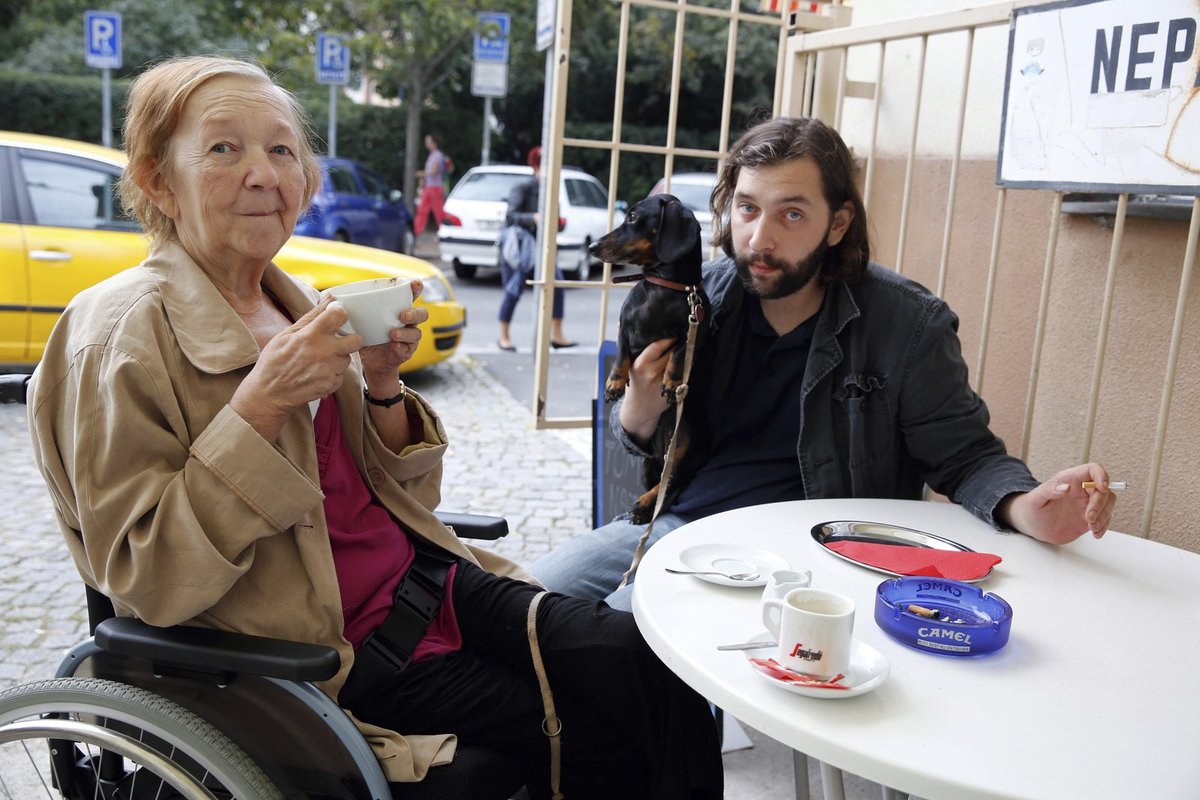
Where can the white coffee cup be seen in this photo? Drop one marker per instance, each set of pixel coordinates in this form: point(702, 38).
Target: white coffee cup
point(782, 581)
point(373, 306)
point(814, 628)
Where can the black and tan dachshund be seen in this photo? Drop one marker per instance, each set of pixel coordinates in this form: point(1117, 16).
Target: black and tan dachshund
point(661, 237)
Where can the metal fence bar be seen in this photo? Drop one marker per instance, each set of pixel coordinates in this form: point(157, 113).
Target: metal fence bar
point(912, 156)
point(952, 196)
point(985, 325)
point(1039, 335)
point(712, 11)
point(1164, 407)
point(1110, 282)
point(630, 147)
point(614, 163)
point(874, 127)
point(841, 88)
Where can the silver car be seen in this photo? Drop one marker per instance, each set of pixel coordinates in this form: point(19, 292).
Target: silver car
point(694, 189)
point(478, 204)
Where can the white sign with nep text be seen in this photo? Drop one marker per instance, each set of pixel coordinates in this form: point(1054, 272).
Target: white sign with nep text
point(1101, 95)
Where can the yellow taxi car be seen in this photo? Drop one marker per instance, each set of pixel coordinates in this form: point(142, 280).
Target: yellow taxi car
point(62, 230)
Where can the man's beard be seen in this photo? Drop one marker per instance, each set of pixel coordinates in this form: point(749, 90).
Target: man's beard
point(788, 279)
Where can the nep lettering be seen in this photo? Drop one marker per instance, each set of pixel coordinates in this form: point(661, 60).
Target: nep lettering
point(1176, 48)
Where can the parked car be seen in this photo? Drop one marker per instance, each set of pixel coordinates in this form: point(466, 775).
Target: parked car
point(356, 205)
point(62, 230)
point(694, 189)
point(479, 201)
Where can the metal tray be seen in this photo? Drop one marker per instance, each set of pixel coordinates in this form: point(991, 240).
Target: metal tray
point(852, 530)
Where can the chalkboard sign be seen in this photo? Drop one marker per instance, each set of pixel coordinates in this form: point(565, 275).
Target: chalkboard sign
point(616, 474)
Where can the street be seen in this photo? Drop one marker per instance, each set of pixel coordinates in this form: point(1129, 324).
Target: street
point(571, 384)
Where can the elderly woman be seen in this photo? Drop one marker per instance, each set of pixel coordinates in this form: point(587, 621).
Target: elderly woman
point(220, 455)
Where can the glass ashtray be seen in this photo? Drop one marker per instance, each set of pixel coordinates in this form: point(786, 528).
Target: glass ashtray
point(942, 616)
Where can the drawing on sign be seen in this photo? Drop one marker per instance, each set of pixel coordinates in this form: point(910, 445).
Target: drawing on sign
point(1100, 95)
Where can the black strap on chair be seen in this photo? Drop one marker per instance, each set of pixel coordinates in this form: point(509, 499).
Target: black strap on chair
point(389, 648)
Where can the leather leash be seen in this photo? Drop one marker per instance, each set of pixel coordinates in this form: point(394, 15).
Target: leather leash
point(695, 316)
point(551, 724)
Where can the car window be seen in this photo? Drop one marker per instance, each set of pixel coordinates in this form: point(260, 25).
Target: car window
point(694, 197)
point(375, 184)
point(343, 180)
point(599, 196)
point(72, 194)
point(487, 186)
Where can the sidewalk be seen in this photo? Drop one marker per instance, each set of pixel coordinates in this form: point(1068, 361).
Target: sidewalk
point(496, 464)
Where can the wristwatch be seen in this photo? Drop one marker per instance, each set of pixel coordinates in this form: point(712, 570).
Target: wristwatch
point(391, 401)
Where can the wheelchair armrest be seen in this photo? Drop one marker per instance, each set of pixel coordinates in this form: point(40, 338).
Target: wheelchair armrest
point(474, 526)
point(213, 651)
point(12, 388)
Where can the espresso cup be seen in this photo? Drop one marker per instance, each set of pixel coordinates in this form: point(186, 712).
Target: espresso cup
point(373, 306)
point(814, 628)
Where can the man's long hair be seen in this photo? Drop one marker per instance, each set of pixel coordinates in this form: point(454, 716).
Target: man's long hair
point(785, 139)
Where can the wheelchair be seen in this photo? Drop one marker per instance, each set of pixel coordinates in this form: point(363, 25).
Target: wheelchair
point(137, 712)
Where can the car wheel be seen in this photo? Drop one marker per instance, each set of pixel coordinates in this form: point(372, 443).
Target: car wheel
point(341, 236)
point(464, 271)
point(408, 241)
point(583, 264)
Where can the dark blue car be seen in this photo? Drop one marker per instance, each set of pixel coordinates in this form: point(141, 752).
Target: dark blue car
point(355, 205)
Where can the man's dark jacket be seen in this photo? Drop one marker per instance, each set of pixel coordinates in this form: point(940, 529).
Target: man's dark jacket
point(886, 407)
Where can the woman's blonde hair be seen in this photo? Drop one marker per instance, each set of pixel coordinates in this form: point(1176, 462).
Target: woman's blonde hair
point(152, 113)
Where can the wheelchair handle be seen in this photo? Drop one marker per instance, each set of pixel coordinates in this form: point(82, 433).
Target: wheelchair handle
point(12, 388)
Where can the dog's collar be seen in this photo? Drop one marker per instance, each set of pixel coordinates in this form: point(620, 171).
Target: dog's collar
point(679, 287)
point(693, 292)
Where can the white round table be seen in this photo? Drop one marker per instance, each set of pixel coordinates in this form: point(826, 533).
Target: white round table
point(1097, 693)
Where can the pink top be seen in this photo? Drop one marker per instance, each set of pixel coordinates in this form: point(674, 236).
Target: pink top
point(371, 549)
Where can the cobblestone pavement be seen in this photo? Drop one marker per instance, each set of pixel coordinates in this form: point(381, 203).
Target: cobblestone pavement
point(496, 464)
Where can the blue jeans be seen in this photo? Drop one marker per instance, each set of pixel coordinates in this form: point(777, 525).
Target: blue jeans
point(591, 566)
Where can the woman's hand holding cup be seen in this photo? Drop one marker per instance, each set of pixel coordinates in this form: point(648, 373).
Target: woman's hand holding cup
point(304, 362)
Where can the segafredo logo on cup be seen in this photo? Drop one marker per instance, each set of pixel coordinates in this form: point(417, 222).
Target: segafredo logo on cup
point(808, 655)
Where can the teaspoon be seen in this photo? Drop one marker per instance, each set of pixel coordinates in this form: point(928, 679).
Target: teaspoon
point(737, 576)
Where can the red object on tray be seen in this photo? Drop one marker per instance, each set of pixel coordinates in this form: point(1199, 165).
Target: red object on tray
point(953, 564)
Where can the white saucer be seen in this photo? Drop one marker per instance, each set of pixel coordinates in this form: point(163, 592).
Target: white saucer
point(731, 558)
point(868, 669)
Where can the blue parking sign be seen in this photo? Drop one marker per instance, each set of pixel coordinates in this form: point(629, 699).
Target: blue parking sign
point(491, 37)
point(333, 59)
point(102, 39)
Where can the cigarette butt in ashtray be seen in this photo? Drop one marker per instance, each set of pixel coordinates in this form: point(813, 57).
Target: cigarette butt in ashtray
point(922, 611)
point(1113, 486)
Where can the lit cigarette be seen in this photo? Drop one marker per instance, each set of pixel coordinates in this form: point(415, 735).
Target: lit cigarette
point(1113, 486)
point(921, 611)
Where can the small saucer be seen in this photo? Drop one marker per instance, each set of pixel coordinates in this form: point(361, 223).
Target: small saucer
point(731, 558)
point(868, 670)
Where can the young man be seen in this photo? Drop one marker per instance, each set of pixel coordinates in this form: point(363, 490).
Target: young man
point(824, 375)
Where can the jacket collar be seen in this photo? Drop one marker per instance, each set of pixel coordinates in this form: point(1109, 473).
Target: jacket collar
point(210, 333)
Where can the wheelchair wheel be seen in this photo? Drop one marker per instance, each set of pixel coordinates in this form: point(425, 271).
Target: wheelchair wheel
point(89, 738)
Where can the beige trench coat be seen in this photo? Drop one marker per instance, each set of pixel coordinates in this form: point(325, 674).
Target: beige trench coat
point(177, 509)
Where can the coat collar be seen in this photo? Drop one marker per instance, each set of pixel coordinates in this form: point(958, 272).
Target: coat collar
point(209, 331)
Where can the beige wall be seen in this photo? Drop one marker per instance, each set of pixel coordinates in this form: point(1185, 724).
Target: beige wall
point(1144, 300)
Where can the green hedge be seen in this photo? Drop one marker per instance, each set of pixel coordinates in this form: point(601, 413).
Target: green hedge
point(70, 107)
point(58, 105)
